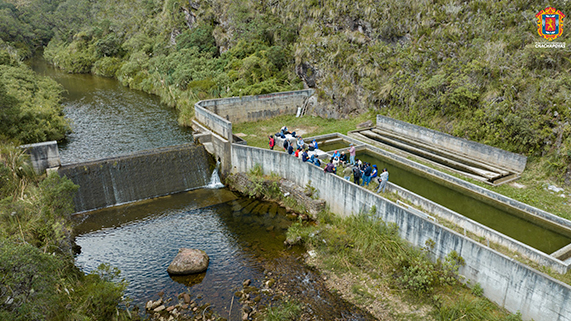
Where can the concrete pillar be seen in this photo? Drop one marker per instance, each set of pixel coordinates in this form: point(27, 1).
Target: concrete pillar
point(43, 155)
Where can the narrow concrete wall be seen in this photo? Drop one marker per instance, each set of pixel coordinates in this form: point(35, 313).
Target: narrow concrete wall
point(509, 283)
point(480, 230)
point(138, 176)
point(491, 155)
point(219, 146)
point(213, 121)
point(254, 108)
point(43, 155)
point(471, 189)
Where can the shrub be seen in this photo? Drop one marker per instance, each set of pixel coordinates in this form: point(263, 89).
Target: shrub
point(107, 67)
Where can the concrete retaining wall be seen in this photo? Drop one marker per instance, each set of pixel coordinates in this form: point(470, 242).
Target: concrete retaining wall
point(480, 230)
point(475, 191)
point(215, 144)
point(507, 282)
point(488, 154)
point(138, 176)
point(214, 122)
point(254, 108)
point(43, 155)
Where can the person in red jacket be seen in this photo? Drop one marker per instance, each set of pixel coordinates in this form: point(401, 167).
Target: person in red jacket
point(272, 142)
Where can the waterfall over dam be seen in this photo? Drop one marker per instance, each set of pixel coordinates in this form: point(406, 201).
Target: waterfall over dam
point(138, 176)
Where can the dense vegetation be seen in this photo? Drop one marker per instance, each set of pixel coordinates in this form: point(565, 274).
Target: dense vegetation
point(381, 264)
point(38, 278)
point(466, 68)
point(30, 109)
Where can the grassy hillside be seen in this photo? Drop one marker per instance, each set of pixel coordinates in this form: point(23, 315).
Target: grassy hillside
point(465, 68)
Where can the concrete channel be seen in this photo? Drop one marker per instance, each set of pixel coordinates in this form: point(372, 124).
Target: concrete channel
point(478, 161)
point(509, 283)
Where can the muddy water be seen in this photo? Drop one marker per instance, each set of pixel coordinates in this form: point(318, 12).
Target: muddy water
point(243, 237)
point(109, 119)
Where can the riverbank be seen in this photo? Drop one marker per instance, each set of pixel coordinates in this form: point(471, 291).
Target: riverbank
point(367, 264)
point(40, 280)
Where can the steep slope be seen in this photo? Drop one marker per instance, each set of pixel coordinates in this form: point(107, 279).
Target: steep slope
point(469, 68)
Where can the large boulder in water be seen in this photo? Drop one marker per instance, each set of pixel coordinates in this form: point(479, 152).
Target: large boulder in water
point(189, 261)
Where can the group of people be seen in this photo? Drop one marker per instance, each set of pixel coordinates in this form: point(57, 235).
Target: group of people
point(368, 173)
point(358, 169)
point(355, 167)
point(300, 150)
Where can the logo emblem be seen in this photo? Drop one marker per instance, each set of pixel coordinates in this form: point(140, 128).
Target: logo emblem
point(550, 23)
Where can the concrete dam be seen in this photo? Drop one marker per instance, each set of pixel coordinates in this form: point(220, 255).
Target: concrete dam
point(138, 176)
point(507, 282)
point(132, 177)
point(511, 284)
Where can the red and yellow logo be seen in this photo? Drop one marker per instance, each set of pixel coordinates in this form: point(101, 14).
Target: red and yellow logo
point(550, 23)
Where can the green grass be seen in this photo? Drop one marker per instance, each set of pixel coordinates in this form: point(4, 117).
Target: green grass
point(360, 245)
point(39, 277)
point(257, 132)
point(467, 307)
point(286, 310)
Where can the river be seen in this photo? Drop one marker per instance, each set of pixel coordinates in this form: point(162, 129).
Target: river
point(243, 237)
point(109, 119)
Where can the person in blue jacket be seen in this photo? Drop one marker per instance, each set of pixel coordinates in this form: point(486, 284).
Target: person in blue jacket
point(304, 156)
point(375, 173)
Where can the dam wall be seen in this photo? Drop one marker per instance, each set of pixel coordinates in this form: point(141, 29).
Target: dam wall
point(214, 117)
point(254, 108)
point(484, 153)
point(137, 176)
point(507, 282)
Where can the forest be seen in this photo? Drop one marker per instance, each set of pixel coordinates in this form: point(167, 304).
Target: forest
point(470, 69)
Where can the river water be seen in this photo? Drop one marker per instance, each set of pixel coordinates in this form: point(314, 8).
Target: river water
point(109, 119)
point(244, 238)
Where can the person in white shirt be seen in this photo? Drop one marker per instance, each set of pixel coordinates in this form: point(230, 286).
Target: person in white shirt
point(384, 179)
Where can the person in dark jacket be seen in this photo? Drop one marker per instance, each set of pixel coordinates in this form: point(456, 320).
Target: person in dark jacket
point(304, 156)
point(367, 174)
point(343, 158)
point(330, 168)
point(356, 175)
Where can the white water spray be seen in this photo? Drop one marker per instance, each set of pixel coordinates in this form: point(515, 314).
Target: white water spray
point(215, 178)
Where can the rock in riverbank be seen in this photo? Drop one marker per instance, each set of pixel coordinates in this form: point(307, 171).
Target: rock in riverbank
point(266, 188)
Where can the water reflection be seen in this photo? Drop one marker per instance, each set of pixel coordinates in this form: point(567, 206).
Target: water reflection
point(243, 237)
point(109, 119)
point(189, 280)
point(142, 239)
